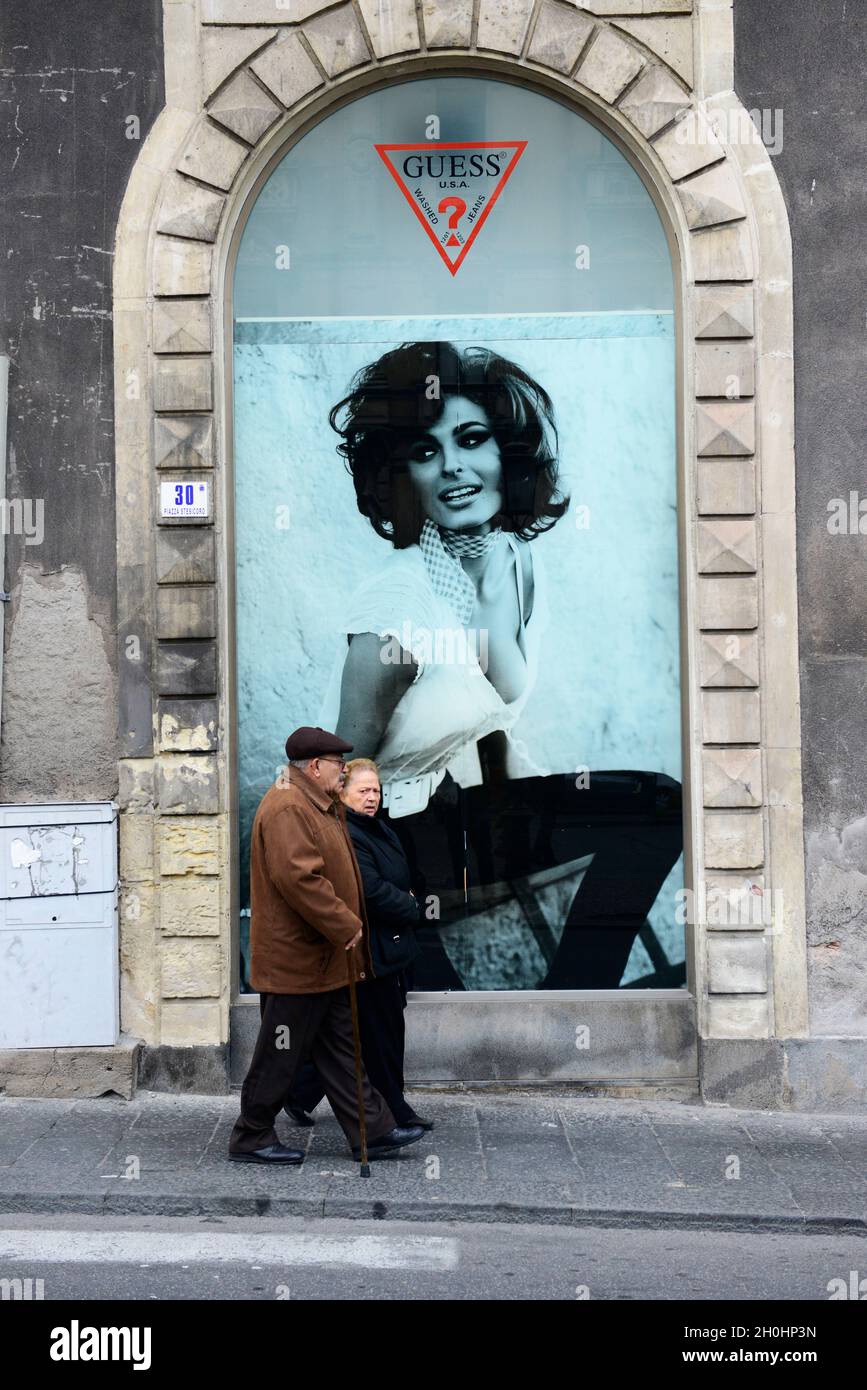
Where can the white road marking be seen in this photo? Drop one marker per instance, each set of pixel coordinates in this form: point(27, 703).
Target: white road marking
point(132, 1247)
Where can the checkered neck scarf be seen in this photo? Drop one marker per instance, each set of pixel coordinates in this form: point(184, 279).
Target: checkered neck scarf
point(440, 550)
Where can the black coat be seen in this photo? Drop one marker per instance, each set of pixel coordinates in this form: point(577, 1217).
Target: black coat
point(392, 913)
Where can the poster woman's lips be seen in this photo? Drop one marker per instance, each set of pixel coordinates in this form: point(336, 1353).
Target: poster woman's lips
point(462, 493)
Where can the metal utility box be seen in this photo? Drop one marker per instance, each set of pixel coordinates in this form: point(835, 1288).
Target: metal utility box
point(58, 925)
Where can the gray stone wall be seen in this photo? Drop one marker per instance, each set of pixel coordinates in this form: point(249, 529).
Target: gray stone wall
point(808, 60)
point(71, 75)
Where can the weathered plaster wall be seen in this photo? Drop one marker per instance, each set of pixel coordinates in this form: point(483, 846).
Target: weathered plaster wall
point(70, 76)
point(808, 60)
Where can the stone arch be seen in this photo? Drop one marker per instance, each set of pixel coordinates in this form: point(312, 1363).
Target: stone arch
point(240, 82)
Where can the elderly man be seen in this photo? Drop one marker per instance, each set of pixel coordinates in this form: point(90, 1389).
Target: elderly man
point(307, 915)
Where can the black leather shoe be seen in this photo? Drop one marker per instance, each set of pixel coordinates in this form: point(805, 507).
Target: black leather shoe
point(414, 1119)
point(299, 1116)
point(390, 1143)
point(274, 1153)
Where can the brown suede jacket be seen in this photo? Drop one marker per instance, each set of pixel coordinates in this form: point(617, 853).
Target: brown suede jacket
point(306, 894)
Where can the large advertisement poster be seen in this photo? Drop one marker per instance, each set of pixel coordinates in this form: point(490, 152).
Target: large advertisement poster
point(457, 547)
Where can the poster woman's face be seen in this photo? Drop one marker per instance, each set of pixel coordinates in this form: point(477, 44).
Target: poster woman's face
point(455, 468)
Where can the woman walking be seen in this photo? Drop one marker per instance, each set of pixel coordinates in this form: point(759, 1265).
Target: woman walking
point(392, 914)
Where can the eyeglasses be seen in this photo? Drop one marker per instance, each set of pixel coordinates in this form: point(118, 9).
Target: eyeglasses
point(341, 762)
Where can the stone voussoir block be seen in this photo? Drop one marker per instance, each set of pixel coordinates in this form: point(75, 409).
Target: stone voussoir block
point(186, 668)
point(732, 777)
point(181, 325)
point(502, 28)
point(189, 210)
point(726, 487)
point(724, 311)
point(670, 38)
point(447, 23)
point(689, 145)
point(733, 840)
point(725, 429)
point(337, 40)
point(729, 659)
point(558, 37)
point(182, 383)
point(245, 109)
point(186, 611)
point(392, 26)
point(190, 907)
point(727, 546)
point(188, 784)
point(655, 101)
point(728, 601)
point(287, 69)
point(722, 253)
point(188, 726)
point(609, 65)
point(737, 963)
point(185, 555)
point(731, 716)
point(725, 370)
point(212, 156)
point(712, 197)
point(225, 49)
point(184, 442)
point(189, 845)
point(181, 267)
point(190, 969)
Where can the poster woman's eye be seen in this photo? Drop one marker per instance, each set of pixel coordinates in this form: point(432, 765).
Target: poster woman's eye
point(422, 451)
point(473, 438)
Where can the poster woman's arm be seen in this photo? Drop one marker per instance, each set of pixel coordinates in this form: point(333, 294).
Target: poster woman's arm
point(372, 684)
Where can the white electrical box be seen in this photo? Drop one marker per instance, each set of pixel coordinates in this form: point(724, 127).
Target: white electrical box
point(58, 925)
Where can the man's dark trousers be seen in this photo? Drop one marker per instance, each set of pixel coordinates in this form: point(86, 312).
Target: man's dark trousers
point(293, 1028)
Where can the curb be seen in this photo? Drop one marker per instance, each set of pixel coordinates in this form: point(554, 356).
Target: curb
point(337, 1208)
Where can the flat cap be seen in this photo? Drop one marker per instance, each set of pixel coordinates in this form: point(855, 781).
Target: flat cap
point(313, 743)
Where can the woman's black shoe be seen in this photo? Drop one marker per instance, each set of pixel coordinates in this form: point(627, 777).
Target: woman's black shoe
point(299, 1116)
point(414, 1119)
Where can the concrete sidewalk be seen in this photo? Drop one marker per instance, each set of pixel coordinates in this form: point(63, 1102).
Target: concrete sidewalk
point(517, 1156)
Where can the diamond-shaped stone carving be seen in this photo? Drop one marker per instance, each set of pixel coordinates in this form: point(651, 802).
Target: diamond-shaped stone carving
point(654, 102)
point(181, 325)
point(732, 777)
point(447, 23)
point(287, 69)
point(610, 65)
point(725, 428)
point(189, 210)
point(558, 37)
point(670, 39)
point(712, 197)
point(727, 546)
point(729, 659)
point(724, 311)
point(337, 40)
point(225, 49)
point(725, 369)
point(184, 441)
point(245, 109)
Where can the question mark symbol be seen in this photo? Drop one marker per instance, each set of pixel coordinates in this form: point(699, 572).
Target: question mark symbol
point(460, 208)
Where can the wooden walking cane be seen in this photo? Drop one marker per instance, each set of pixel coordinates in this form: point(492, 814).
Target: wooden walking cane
point(356, 1038)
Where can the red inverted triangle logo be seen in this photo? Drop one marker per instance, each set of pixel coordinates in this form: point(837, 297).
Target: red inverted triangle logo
point(451, 188)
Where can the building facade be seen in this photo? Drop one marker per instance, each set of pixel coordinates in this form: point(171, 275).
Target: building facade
point(141, 154)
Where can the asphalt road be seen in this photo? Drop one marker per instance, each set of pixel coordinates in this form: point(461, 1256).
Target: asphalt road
point(200, 1259)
